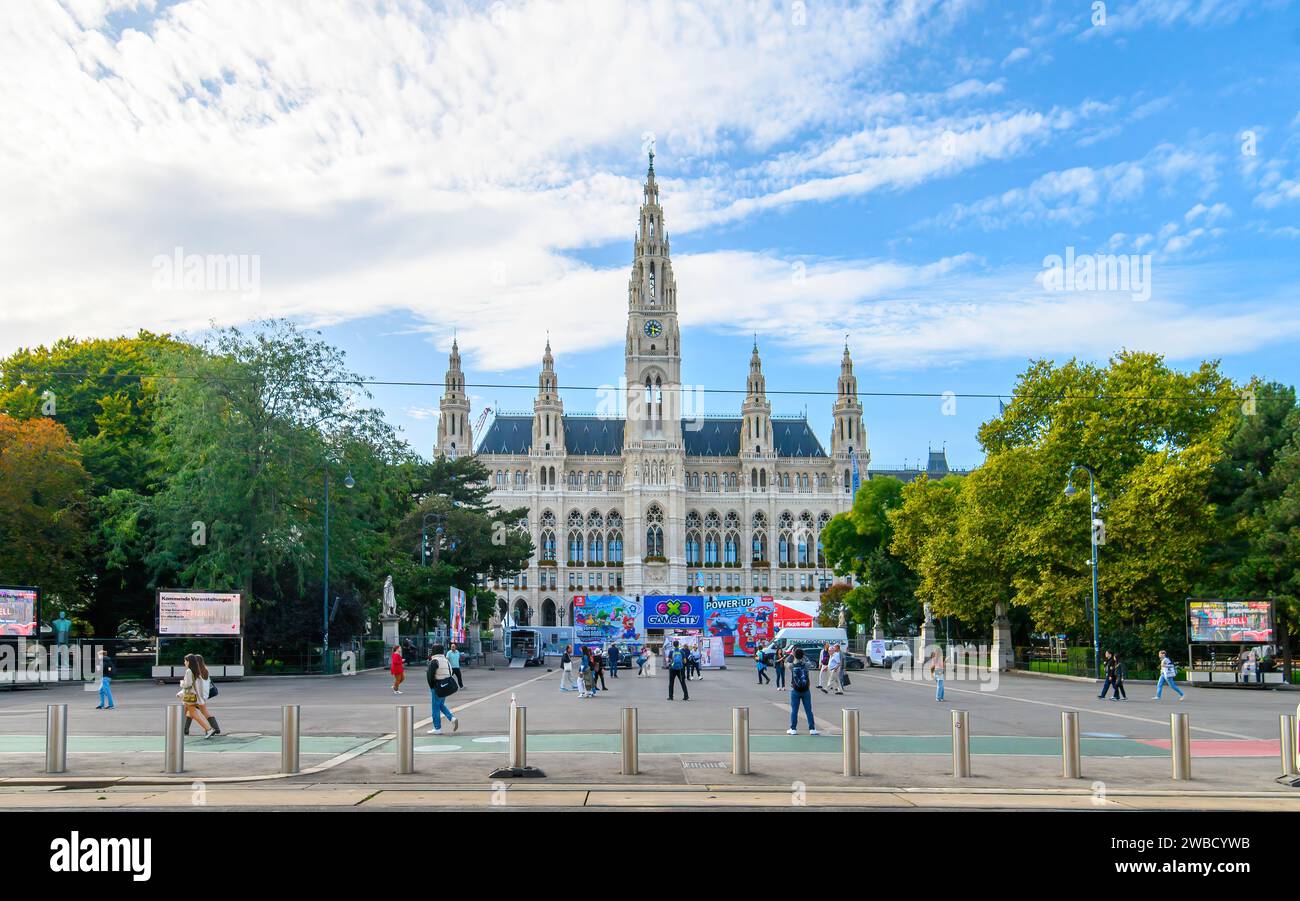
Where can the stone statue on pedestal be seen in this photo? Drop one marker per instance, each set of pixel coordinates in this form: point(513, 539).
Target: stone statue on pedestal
point(877, 629)
point(389, 617)
point(1003, 653)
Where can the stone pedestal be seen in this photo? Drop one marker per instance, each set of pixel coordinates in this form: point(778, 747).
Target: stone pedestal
point(1004, 653)
point(391, 637)
point(877, 629)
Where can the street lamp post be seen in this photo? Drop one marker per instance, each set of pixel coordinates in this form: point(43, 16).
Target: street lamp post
point(1092, 531)
point(325, 600)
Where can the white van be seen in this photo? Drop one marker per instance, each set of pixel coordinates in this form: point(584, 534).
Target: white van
point(806, 638)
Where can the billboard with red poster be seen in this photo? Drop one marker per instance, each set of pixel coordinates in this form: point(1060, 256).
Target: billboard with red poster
point(19, 609)
point(795, 614)
point(743, 622)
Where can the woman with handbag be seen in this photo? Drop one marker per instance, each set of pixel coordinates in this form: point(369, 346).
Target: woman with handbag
point(193, 694)
point(442, 685)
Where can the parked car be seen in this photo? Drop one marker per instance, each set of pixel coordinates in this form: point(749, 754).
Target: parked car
point(854, 662)
point(885, 652)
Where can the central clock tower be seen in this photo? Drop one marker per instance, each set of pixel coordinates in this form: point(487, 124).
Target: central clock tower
point(653, 357)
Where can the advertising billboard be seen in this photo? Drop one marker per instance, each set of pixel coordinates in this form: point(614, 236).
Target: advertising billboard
point(199, 613)
point(603, 618)
point(1244, 621)
point(743, 622)
point(795, 614)
point(674, 611)
point(19, 609)
point(457, 616)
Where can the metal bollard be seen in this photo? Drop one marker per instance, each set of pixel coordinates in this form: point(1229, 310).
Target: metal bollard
point(1180, 746)
point(1071, 763)
point(852, 742)
point(960, 744)
point(630, 742)
point(1289, 767)
point(289, 738)
point(174, 740)
point(405, 740)
point(518, 737)
point(740, 741)
point(56, 738)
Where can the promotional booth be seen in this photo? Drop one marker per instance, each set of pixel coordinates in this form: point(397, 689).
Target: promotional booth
point(1231, 641)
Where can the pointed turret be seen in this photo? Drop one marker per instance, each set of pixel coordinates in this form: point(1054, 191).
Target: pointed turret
point(756, 411)
point(548, 409)
point(454, 433)
point(848, 433)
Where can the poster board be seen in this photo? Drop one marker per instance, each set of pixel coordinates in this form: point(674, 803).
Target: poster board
point(199, 613)
point(1230, 621)
point(603, 618)
point(742, 622)
point(457, 607)
point(20, 610)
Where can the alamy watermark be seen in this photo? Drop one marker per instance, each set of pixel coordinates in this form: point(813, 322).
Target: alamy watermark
point(961, 663)
point(237, 273)
point(652, 403)
point(1103, 272)
point(31, 662)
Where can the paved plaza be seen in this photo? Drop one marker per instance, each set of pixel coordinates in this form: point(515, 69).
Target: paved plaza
point(348, 751)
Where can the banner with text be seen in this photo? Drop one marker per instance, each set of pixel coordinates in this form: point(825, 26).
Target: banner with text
point(457, 616)
point(199, 613)
point(743, 622)
point(19, 609)
point(674, 611)
point(603, 618)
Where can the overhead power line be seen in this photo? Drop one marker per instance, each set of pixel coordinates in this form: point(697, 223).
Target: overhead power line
point(808, 392)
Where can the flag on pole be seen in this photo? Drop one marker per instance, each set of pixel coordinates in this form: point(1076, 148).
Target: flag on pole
point(853, 458)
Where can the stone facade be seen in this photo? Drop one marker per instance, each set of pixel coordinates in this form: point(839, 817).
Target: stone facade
point(656, 500)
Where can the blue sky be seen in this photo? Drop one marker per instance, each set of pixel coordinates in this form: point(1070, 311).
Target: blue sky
point(897, 172)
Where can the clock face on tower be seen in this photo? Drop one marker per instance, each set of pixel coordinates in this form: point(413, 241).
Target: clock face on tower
point(653, 328)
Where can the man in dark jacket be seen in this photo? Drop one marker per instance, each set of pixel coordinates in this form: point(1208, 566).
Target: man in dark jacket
point(613, 660)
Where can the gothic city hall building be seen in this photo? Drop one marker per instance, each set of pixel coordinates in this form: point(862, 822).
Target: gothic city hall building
point(655, 499)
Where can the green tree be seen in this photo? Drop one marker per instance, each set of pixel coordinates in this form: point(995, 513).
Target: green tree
point(857, 543)
point(1153, 436)
point(43, 489)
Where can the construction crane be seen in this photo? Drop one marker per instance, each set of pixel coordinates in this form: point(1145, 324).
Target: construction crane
point(482, 417)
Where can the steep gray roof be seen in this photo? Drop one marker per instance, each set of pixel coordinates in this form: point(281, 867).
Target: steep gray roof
point(603, 436)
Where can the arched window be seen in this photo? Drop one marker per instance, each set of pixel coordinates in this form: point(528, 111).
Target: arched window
point(822, 521)
point(575, 537)
point(546, 538)
point(654, 532)
point(848, 482)
point(762, 479)
point(753, 478)
point(614, 537)
point(758, 537)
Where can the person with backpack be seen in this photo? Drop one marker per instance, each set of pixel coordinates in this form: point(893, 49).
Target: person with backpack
point(586, 674)
point(761, 665)
point(800, 693)
point(1168, 671)
point(106, 671)
point(677, 670)
point(397, 666)
point(442, 685)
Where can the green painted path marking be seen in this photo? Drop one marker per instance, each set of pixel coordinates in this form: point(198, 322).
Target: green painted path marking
point(138, 744)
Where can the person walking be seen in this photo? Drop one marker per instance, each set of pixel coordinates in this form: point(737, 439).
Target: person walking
point(397, 666)
point(453, 657)
point(1119, 694)
point(588, 672)
point(614, 656)
point(695, 660)
point(823, 667)
point(442, 685)
point(207, 691)
point(834, 669)
point(800, 694)
point(106, 672)
point(566, 669)
point(761, 666)
point(937, 664)
point(1108, 663)
point(1168, 671)
point(677, 671)
point(191, 694)
point(598, 668)
point(642, 656)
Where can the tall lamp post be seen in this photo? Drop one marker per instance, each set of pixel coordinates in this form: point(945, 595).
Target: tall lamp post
point(325, 600)
point(1092, 530)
